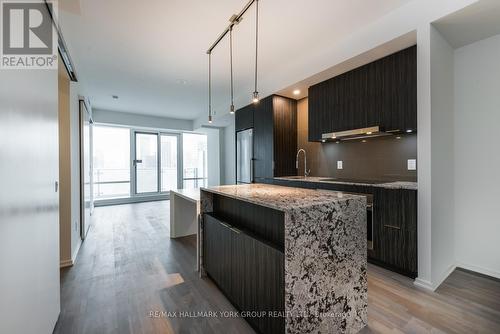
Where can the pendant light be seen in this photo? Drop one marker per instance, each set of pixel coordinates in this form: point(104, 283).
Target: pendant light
point(231, 108)
point(255, 96)
point(210, 87)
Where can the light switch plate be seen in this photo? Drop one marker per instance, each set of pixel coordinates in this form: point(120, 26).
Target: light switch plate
point(412, 164)
point(339, 164)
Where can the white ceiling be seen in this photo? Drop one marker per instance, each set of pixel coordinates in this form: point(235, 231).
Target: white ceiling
point(152, 53)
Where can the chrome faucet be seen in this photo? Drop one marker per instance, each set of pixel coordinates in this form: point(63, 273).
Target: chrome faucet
point(306, 172)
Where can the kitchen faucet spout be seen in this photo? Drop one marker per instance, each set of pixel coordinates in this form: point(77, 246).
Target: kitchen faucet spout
point(306, 172)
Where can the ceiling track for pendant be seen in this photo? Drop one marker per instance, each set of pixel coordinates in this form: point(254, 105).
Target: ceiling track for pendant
point(234, 20)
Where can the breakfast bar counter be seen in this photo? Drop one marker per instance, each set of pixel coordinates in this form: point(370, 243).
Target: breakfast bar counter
point(296, 258)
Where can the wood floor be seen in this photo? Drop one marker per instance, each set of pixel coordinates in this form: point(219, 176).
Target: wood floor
point(129, 271)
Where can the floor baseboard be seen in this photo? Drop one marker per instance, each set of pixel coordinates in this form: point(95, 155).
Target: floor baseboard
point(479, 270)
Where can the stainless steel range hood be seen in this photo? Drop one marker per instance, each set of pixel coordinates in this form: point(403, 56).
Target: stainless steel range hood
point(373, 131)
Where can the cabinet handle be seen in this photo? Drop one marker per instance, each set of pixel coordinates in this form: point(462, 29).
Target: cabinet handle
point(235, 230)
point(393, 227)
point(224, 224)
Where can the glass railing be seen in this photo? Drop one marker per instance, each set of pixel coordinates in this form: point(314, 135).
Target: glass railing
point(111, 183)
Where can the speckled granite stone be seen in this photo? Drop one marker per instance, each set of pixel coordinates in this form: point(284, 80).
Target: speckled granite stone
point(386, 185)
point(325, 268)
point(325, 254)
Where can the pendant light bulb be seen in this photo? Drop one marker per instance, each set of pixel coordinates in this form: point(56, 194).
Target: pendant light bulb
point(231, 109)
point(210, 119)
point(255, 97)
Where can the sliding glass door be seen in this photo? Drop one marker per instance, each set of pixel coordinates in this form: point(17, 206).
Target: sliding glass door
point(156, 162)
point(146, 162)
point(169, 172)
point(132, 163)
point(195, 172)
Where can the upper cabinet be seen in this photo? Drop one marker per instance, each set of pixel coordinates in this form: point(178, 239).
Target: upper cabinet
point(274, 123)
point(382, 93)
point(244, 118)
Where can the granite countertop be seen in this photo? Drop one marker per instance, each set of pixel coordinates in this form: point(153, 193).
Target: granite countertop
point(387, 185)
point(279, 197)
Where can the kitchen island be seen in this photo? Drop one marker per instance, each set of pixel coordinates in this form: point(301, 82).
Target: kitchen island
point(290, 260)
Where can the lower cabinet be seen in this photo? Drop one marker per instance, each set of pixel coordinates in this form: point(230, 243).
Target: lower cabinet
point(394, 223)
point(395, 229)
point(248, 271)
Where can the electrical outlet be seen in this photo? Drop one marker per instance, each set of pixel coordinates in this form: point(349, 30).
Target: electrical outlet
point(340, 164)
point(412, 164)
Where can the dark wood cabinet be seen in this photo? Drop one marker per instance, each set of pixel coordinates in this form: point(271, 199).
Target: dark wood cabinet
point(244, 118)
point(394, 223)
point(395, 229)
point(274, 121)
point(263, 130)
point(248, 270)
point(382, 93)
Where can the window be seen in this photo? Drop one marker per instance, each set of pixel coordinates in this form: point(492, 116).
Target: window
point(194, 160)
point(168, 162)
point(111, 162)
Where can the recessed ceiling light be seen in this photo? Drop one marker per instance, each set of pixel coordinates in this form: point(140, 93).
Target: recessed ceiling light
point(409, 130)
point(296, 92)
point(115, 97)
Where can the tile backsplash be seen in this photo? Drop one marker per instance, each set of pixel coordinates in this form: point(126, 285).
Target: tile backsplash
point(383, 158)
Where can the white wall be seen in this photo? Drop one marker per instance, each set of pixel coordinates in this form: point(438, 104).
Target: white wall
point(442, 158)
point(136, 120)
point(213, 155)
point(477, 156)
point(29, 205)
point(229, 155)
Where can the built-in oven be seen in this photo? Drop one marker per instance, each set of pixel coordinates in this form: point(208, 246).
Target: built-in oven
point(369, 221)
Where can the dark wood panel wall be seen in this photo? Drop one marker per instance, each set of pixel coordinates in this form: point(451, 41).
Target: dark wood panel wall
point(382, 93)
point(274, 121)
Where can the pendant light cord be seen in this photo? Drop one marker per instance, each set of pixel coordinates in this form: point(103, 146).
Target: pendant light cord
point(231, 63)
point(256, 38)
point(210, 86)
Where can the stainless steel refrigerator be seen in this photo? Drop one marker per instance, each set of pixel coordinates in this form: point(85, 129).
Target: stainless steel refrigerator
point(244, 156)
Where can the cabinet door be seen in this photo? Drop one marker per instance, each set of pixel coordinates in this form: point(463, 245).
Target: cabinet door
point(250, 272)
point(244, 118)
point(395, 229)
point(316, 103)
point(285, 135)
point(374, 94)
point(399, 81)
point(259, 282)
point(217, 253)
point(263, 139)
